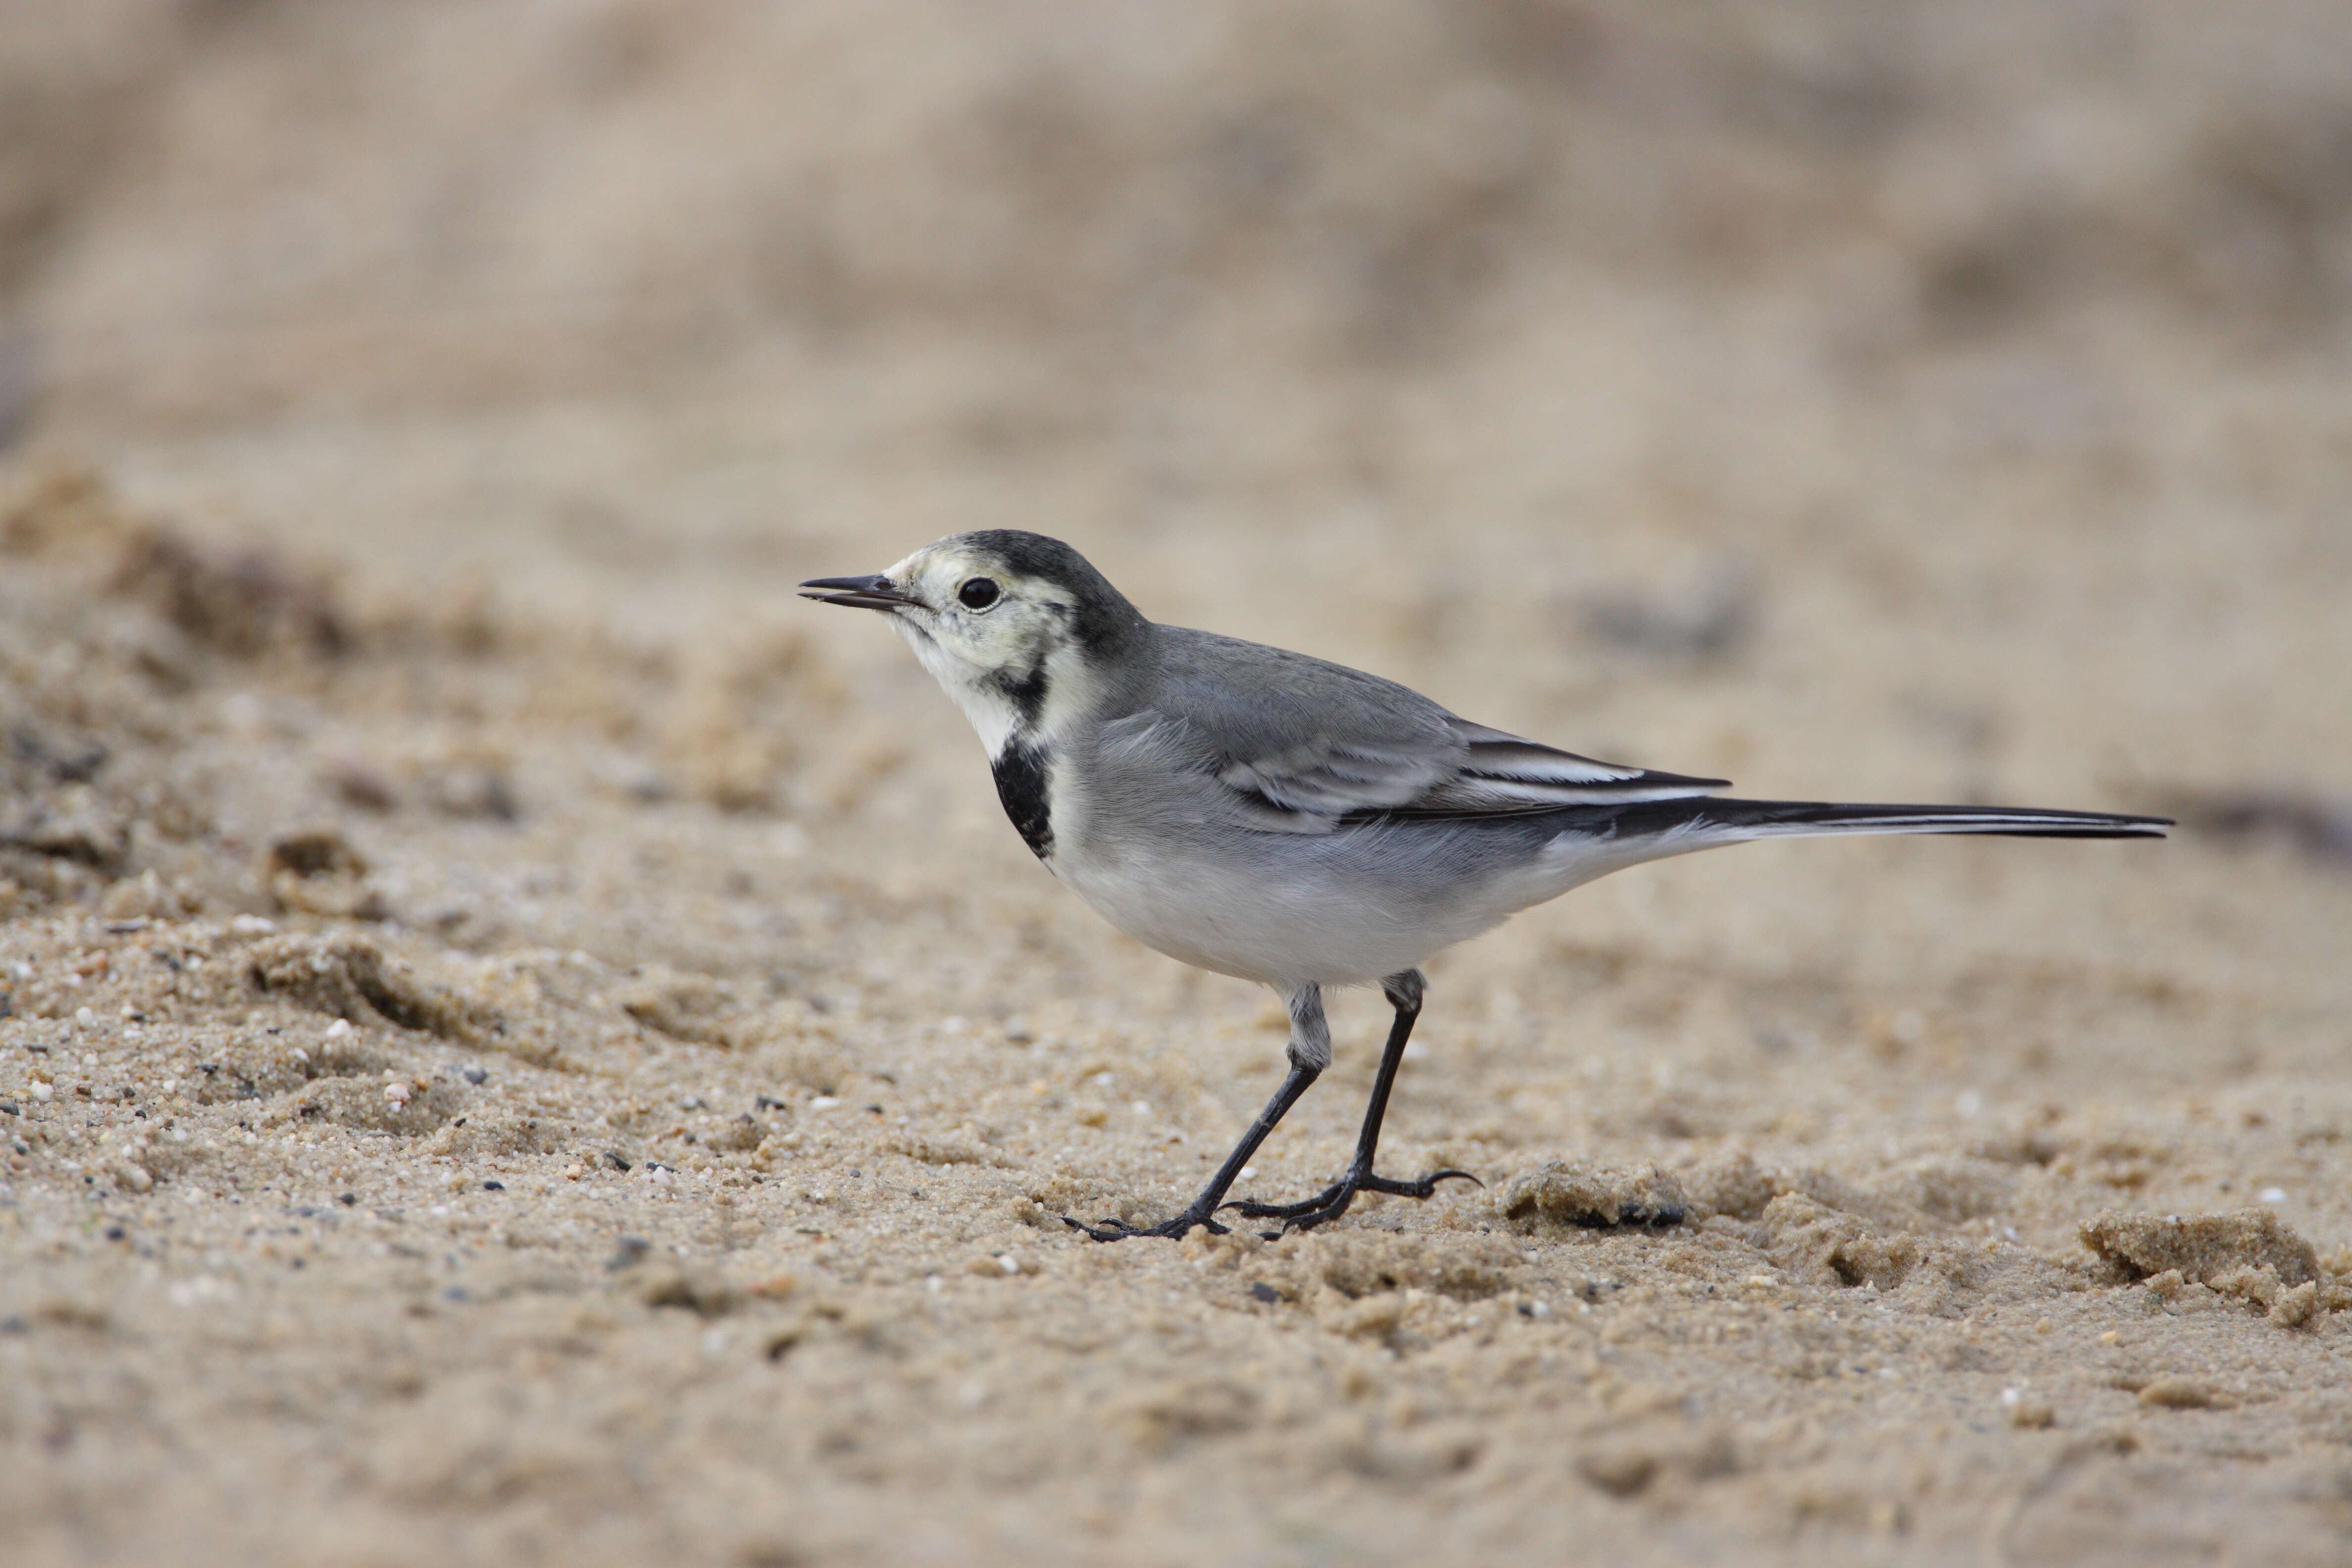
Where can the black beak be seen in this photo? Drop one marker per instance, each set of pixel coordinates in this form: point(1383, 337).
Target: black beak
point(857, 593)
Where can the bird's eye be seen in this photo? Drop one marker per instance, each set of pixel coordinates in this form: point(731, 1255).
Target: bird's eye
point(978, 592)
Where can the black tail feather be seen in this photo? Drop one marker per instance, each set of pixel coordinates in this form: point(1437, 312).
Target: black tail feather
point(1773, 818)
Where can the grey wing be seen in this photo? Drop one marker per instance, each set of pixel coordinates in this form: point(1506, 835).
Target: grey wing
point(1304, 745)
point(1501, 772)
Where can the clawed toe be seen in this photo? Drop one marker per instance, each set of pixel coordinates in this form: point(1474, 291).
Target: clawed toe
point(1333, 1201)
point(1250, 1209)
point(1309, 1220)
point(1424, 1188)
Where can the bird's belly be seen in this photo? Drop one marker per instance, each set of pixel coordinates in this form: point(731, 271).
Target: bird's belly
point(1284, 909)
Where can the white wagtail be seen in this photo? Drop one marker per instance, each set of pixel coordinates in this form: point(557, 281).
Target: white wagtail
point(1290, 821)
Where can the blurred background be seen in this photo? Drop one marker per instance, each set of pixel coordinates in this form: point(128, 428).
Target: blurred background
point(1884, 398)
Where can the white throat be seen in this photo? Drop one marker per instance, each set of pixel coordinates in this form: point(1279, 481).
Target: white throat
point(995, 715)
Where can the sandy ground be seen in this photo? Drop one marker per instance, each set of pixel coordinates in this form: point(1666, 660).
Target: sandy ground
point(520, 1041)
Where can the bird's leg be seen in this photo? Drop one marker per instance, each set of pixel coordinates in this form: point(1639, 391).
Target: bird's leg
point(1310, 1053)
point(1404, 990)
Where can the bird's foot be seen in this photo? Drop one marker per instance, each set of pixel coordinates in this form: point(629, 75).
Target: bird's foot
point(1169, 1230)
point(1333, 1201)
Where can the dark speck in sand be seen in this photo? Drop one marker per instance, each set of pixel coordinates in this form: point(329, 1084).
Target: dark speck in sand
point(494, 1186)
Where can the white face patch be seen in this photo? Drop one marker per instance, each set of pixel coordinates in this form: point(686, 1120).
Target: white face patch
point(999, 643)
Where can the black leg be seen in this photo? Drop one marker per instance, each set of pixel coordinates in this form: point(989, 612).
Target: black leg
point(1310, 1052)
point(1404, 993)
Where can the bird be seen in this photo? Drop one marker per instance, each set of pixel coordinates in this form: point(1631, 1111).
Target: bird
point(1290, 821)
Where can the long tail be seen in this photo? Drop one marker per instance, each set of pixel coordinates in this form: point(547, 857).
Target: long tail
point(1715, 821)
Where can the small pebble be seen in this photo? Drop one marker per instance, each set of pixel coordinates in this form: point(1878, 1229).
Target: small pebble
point(494, 1186)
point(338, 1029)
point(396, 1093)
point(477, 1075)
point(2273, 1195)
point(1265, 1293)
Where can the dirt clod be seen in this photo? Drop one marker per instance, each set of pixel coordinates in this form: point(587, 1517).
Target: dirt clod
point(2178, 1392)
point(351, 977)
point(2207, 1248)
point(1595, 1197)
point(1814, 1241)
point(317, 871)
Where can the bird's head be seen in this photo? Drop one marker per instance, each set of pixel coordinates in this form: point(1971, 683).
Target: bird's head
point(1000, 617)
